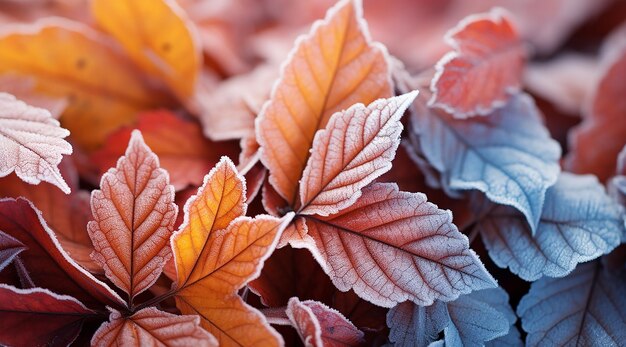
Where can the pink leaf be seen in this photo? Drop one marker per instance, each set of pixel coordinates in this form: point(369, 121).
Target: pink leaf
point(31, 143)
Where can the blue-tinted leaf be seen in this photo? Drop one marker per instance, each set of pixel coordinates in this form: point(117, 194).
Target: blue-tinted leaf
point(479, 317)
point(471, 320)
point(579, 223)
point(508, 155)
point(413, 325)
point(586, 308)
point(512, 339)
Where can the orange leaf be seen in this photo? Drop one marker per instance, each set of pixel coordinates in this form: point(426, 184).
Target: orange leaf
point(319, 325)
point(483, 70)
point(217, 251)
point(134, 215)
point(31, 142)
point(333, 67)
point(158, 36)
point(182, 150)
point(357, 147)
point(72, 61)
point(596, 144)
point(151, 327)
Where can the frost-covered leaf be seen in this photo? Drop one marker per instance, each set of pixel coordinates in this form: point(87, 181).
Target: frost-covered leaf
point(470, 320)
point(52, 319)
point(70, 60)
point(332, 68)
point(596, 143)
point(415, 325)
point(484, 69)
point(158, 36)
point(9, 249)
point(357, 146)
point(579, 222)
point(31, 143)
point(182, 149)
point(48, 265)
point(134, 214)
point(392, 246)
point(319, 325)
point(508, 155)
point(585, 308)
point(218, 251)
point(151, 327)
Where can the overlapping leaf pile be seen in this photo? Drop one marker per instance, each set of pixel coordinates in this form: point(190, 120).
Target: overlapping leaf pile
point(373, 170)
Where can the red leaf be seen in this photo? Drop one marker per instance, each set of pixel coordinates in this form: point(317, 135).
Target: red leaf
point(151, 327)
point(484, 68)
point(319, 325)
point(182, 149)
point(9, 249)
point(597, 142)
point(47, 263)
point(52, 320)
point(134, 215)
point(392, 246)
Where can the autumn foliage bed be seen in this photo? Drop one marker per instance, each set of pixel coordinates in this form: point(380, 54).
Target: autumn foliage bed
point(413, 173)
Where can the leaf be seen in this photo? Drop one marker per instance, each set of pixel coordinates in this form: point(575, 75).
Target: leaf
point(509, 155)
point(31, 142)
point(217, 251)
point(52, 319)
point(596, 143)
point(319, 325)
point(487, 50)
point(585, 308)
point(72, 61)
point(47, 263)
point(134, 215)
point(151, 327)
point(470, 320)
point(9, 249)
point(182, 149)
point(579, 223)
point(357, 147)
point(392, 246)
point(158, 36)
point(411, 324)
point(66, 214)
point(333, 67)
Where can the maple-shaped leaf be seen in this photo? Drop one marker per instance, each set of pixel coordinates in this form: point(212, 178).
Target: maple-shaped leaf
point(151, 327)
point(31, 143)
point(596, 143)
point(357, 146)
point(134, 214)
point(484, 69)
point(319, 325)
point(66, 214)
point(51, 319)
point(508, 155)
point(182, 149)
point(9, 249)
point(217, 251)
point(392, 246)
point(332, 68)
point(579, 222)
point(471, 320)
point(158, 36)
point(585, 308)
point(47, 264)
point(70, 60)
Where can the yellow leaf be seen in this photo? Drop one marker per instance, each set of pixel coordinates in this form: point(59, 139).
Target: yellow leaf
point(333, 67)
point(158, 36)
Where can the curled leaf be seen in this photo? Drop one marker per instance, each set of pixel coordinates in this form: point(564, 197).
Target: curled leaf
point(31, 143)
